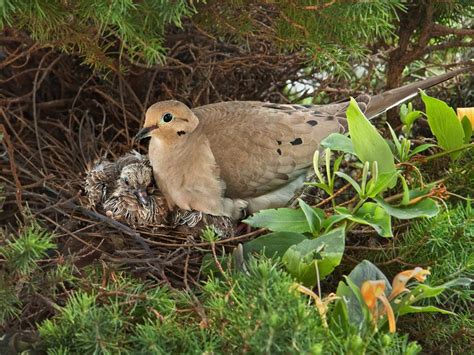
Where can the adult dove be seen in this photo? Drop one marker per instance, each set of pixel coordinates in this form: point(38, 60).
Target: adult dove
point(222, 158)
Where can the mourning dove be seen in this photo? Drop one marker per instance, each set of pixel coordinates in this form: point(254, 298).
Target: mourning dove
point(224, 157)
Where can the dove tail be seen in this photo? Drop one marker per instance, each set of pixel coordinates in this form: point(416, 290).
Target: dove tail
point(380, 103)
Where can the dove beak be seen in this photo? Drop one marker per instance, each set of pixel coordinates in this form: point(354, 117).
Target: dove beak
point(142, 197)
point(145, 132)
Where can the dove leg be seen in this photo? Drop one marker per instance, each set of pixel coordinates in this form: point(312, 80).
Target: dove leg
point(277, 198)
point(234, 208)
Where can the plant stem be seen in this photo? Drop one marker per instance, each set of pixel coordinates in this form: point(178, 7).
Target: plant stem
point(446, 152)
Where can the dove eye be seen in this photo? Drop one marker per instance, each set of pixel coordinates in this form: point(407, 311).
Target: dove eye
point(167, 117)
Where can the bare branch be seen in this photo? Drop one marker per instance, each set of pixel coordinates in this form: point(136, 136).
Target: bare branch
point(450, 44)
point(441, 30)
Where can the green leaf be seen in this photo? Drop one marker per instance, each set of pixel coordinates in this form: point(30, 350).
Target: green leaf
point(421, 148)
point(365, 271)
point(332, 220)
point(395, 139)
point(339, 142)
point(273, 244)
point(444, 124)
point(368, 143)
point(322, 186)
point(467, 128)
point(383, 182)
point(324, 252)
point(312, 216)
point(350, 180)
point(411, 117)
point(423, 208)
point(280, 220)
point(349, 292)
point(372, 215)
point(407, 309)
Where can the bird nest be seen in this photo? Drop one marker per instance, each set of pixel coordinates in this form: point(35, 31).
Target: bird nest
point(57, 117)
point(44, 165)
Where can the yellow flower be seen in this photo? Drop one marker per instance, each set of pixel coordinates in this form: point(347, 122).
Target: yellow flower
point(320, 304)
point(371, 292)
point(400, 281)
point(466, 111)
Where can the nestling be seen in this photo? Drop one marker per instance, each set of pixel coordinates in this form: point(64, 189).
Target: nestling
point(102, 176)
point(134, 198)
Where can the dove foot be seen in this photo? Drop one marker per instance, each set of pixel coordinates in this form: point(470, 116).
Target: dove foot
point(235, 209)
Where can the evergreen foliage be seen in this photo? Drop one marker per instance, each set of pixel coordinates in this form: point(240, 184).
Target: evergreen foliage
point(258, 311)
point(22, 253)
point(103, 30)
point(98, 30)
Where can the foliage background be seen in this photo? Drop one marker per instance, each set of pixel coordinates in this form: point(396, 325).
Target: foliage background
point(77, 76)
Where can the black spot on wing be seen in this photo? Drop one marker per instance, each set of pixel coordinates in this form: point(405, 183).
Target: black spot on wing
point(279, 142)
point(282, 176)
point(312, 122)
point(278, 107)
point(279, 151)
point(180, 133)
point(297, 141)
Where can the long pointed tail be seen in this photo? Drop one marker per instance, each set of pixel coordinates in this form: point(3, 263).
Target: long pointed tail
point(380, 103)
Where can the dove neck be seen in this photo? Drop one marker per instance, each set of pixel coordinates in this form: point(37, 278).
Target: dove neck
point(182, 146)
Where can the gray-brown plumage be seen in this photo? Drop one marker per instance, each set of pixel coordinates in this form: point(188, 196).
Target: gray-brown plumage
point(134, 198)
point(224, 157)
point(102, 176)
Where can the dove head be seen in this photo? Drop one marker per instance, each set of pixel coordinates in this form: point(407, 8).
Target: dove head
point(169, 121)
point(135, 179)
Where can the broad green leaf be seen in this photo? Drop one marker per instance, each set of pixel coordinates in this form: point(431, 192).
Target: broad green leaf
point(349, 292)
point(350, 180)
point(425, 291)
point(423, 208)
point(339, 142)
point(365, 271)
point(368, 143)
point(280, 220)
point(372, 215)
point(421, 148)
point(324, 252)
point(444, 124)
point(467, 128)
point(312, 216)
point(407, 309)
point(273, 244)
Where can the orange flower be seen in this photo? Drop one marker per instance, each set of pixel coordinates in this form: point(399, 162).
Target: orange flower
point(371, 292)
point(466, 111)
point(400, 281)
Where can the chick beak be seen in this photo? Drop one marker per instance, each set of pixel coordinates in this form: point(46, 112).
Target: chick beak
point(142, 197)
